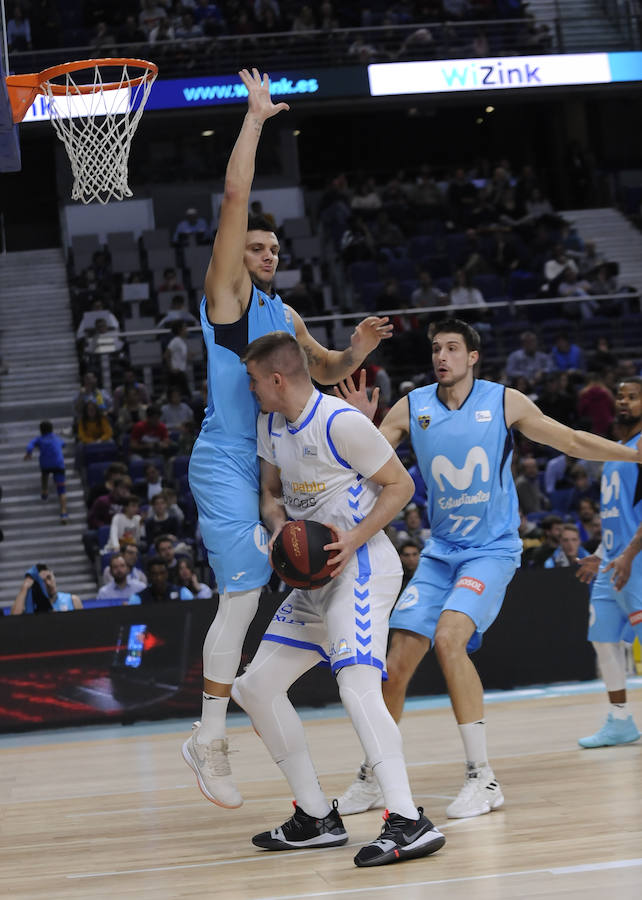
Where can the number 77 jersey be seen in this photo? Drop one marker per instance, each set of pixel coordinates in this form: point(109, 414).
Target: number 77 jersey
point(465, 458)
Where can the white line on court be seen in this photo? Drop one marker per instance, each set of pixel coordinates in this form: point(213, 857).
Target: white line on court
point(565, 870)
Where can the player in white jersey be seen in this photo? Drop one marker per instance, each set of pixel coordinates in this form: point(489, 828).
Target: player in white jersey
point(239, 305)
point(470, 558)
point(616, 598)
point(323, 460)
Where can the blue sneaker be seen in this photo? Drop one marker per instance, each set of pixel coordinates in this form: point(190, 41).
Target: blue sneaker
point(614, 731)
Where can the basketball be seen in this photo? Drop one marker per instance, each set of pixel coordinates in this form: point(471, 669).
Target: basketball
point(298, 556)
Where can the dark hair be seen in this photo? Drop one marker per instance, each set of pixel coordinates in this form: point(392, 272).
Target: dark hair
point(408, 543)
point(41, 567)
point(117, 556)
point(259, 223)
point(178, 300)
point(161, 540)
point(156, 563)
point(548, 521)
point(457, 326)
point(177, 326)
point(45, 427)
point(153, 410)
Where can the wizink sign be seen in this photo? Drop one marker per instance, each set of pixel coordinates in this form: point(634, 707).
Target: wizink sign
point(500, 73)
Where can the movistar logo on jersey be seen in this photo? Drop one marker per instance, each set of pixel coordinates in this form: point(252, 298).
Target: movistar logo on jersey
point(462, 478)
point(610, 489)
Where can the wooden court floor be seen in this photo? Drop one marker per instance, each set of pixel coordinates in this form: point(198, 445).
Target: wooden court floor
point(118, 815)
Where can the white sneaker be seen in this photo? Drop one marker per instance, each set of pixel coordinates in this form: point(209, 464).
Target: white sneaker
point(480, 794)
point(363, 794)
point(211, 766)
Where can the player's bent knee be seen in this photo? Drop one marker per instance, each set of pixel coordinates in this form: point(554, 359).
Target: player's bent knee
point(450, 642)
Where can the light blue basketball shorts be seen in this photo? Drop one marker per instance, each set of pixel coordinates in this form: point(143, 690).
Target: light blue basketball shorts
point(474, 585)
point(225, 485)
point(616, 615)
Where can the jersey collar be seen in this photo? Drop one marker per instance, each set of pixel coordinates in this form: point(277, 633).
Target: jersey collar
point(306, 415)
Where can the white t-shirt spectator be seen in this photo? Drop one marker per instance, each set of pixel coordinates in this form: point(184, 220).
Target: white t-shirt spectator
point(177, 348)
point(111, 591)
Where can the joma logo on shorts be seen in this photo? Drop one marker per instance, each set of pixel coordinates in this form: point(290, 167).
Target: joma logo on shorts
point(473, 584)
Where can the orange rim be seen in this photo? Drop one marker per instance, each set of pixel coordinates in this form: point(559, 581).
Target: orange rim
point(23, 89)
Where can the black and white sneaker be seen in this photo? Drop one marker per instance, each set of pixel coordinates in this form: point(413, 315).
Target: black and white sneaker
point(401, 839)
point(304, 831)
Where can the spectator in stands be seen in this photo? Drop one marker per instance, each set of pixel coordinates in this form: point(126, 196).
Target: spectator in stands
point(366, 197)
point(590, 260)
point(130, 381)
point(209, 17)
point(103, 340)
point(160, 589)
point(131, 555)
point(93, 425)
point(121, 584)
point(150, 15)
point(426, 294)
point(171, 551)
point(461, 197)
point(531, 535)
point(151, 485)
point(170, 281)
point(583, 488)
point(463, 293)
point(555, 267)
point(603, 280)
point(603, 357)
point(98, 275)
point(97, 311)
point(409, 555)
point(387, 235)
point(175, 413)
point(52, 462)
point(537, 205)
point(557, 400)
point(304, 20)
point(39, 594)
point(159, 521)
point(424, 194)
point(552, 532)
point(596, 405)
point(126, 526)
point(18, 31)
point(192, 225)
point(130, 33)
point(114, 470)
point(105, 507)
point(584, 516)
point(566, 356)
point(413, 529)
point(90, 391)
point(177, 356)
point(569, 551)
point(594, 529)
point(529, 492)
point(130, 411)
point(357, 243)
point(187, 578)
point(528, 360)
point(187, 28)
point(150, 437)
point(177, 312)
point(570, 285)
point(103, 41)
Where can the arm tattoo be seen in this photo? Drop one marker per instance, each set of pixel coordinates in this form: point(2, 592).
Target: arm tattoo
point(313, 358)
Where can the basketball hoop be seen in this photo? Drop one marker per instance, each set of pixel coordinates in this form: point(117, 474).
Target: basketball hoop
point(95, 115)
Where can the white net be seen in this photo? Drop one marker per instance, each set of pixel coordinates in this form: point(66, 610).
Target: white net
point(97, 129)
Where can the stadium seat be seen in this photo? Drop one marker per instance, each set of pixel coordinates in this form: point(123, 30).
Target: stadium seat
point(561, 500)
point(103, 451)
point(180, 466)
point(96, 472)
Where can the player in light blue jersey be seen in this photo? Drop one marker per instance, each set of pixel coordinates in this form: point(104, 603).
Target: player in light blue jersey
point(460, 430)
point(239, 306)
point(616, 598)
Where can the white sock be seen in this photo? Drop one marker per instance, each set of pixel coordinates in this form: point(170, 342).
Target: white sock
point(473, 735)
point(212, 718)
point(620, 710)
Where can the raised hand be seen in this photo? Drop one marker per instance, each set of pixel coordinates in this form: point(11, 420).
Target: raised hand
point(368, 334)
point(358, 397)
point(259, 100)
